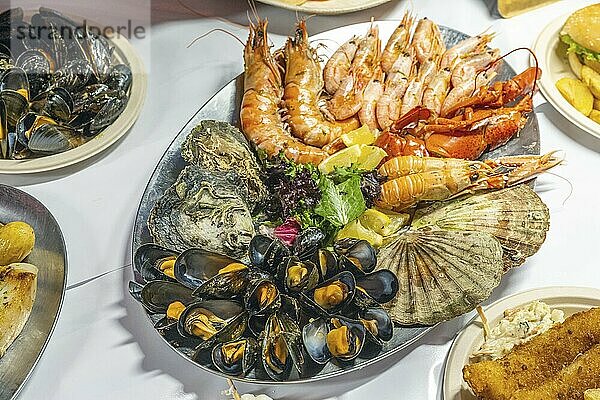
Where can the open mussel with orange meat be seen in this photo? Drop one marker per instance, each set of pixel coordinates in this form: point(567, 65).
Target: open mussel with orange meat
point(60, 84)
point(266, 316)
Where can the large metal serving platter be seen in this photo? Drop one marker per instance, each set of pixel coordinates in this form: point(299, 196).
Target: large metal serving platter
point(50, 256)
point(225, 106)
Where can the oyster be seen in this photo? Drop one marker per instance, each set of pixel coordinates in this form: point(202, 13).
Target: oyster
point(218, 146)
point(442, 274)
point(516, 216)
point(203, 209)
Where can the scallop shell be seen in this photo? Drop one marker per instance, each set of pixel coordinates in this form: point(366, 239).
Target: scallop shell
point(203, 209)
point(515, 216)
point(218, 146)
point(442, 274)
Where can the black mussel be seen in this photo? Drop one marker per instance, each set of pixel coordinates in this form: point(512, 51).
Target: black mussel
point(282, 347)
point(262, 297)
point(110, 111)
point(377, 322)
point(4, 145)
point(345, 338)
point(298, 276)
point(48, 138)
point(74, 75)
point(16, 106)
point(10, 17)
point(381, 285)
point(157, 296)
point(119, 77)
point(154, 262)
point(57, 103)
point(38, 66)
point(267, 253)
point(308, 242)
point(290, 306)
point(229, 282)
point(257, 323)
point(90, 100)
point(236, 357)
point(337, 337)
point(356, 252)
point(28, 123)
point(213, 320)
point(333, 294)
point(314, 336)
point(15, 79)
point(327, 263)
point(195, 266)
point(99, 54)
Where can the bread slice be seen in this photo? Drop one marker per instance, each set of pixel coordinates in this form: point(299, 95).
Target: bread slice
point(591, 394)
point(18, 284)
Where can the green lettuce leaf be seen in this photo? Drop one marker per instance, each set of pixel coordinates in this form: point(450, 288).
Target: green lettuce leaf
point(342, 202)
point(578, 49)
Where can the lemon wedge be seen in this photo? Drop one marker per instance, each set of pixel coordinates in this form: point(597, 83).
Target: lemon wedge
point(362, 135)
point(361, 156)
point(355, 230)
point(374, 220)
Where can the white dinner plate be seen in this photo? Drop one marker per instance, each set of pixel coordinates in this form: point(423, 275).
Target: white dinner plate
point(569, 299)
point(123, 53)
point(552, 60)
point(326, 6)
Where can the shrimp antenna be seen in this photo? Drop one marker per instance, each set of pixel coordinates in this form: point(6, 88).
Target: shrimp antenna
point(198, 13)
point(254, 10)
point(213, 31)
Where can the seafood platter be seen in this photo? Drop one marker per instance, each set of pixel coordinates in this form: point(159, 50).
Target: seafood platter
point(33, 270)
point(324, 211)
point(66, 92)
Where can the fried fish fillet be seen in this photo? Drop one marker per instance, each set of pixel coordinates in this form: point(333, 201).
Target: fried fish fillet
point(571, 382)
point(531, 364)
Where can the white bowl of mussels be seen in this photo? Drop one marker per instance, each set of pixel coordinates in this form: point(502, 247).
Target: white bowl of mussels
point(66, 93)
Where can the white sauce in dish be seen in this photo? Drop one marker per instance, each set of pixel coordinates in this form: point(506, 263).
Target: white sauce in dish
point(519, 325)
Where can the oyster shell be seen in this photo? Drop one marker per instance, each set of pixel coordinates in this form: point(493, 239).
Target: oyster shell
point(442, 274)
point(515, 216)
point(218, 146)
point(203, 209)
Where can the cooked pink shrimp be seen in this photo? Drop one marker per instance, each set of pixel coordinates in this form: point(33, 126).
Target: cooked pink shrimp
point(390, 102)
point(368, 111)
point(347, 100)
point(463, 49)
point(427, 40)
point(338, 65)
point(467, 88)
point(398, 43)
point(436, 92)
point(416, 87)
point(468, 68)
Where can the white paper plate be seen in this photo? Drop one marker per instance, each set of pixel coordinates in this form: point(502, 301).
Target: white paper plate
point(555, 66)
point(569, 299)
point(124, 53)
point(327, 6)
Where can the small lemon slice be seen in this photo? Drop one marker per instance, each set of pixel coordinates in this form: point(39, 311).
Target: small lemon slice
point(355, 230)
point(343, 158)
point(362, 135)
point(374, 220)
point(370, 157)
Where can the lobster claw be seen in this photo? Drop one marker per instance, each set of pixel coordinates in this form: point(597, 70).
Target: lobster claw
point(413, 116)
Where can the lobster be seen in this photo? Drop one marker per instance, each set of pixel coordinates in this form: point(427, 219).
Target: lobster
point(476, 124)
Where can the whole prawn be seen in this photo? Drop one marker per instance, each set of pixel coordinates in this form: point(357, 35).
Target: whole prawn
point(373, 91)
point(427, 40)
point(303, 85)
point(347, 100)
point(437, 90)
point(397, 43)
point(338, 65)
point(396, 82)
point(463, 49)
point(260, 115)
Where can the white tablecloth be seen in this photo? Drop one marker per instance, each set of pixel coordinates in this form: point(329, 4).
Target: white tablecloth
point(104, 347)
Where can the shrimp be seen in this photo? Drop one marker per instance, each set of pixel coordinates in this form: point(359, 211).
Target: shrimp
point(338, 65)
point(303, 85)
point(436, 92)
point(390, 102)
point(464, 48)
point(260, 118)
point(397, 43)
point(347, 100)
point(469, 67)
point(427, 40)
point(368, 110)
point(466, 89)
point(416, 87)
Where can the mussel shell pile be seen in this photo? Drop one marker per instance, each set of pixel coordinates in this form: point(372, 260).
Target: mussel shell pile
point(285, 314)
point(60, 84)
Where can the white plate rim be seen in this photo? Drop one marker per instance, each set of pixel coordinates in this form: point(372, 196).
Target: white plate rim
point(576, 295)
point(104, 139)
point(321, 7)
point(544, 48)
